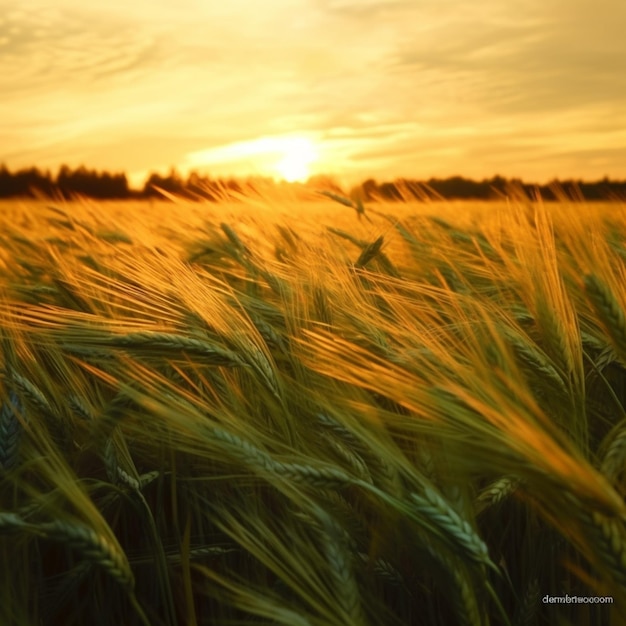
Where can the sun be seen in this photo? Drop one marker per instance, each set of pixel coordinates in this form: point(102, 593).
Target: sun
point(288, 157)
point(298, 153)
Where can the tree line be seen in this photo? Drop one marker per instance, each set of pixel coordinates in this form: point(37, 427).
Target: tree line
point(497, 187)
point(68, 184)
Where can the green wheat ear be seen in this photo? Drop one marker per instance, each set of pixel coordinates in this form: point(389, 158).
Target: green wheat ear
point(10, 432)
point(92, 546)
point(356, 204)
point(609, 312)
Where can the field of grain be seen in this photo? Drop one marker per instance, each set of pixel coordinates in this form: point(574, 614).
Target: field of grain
point(282, 412)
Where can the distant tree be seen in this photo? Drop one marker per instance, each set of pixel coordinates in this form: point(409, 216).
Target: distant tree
point(30, 182)
point(172, 183)
point(100, 185)
point(6, 182)
point(25, 182)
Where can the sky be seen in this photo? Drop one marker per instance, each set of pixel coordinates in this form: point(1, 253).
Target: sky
point(293, 88)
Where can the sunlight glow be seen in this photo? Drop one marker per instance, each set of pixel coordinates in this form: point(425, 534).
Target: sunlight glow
point(298, 156)
point(288, 157)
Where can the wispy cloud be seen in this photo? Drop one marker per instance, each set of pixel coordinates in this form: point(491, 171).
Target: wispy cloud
point(386, 88)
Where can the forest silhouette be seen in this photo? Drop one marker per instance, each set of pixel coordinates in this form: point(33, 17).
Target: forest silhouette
point(70, 184)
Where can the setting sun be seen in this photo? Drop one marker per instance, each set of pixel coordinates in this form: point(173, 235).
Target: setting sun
point(289, 157)
point(298, 154)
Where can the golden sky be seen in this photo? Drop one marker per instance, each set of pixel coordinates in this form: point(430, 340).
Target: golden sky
point(356, 88)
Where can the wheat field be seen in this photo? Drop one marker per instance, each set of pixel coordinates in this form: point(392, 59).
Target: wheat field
point(270, 411)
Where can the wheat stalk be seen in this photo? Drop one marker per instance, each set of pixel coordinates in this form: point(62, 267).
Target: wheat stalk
point(456, 531)
point(147, 478)
point(31, 392)
point(614, 461)
point(500, 489)
point(464, 596)
point(384, 569)
point(526, 614)
point(234, 239)
point(537, 361)
point(89, 353)
point(267, 332)
point(369, 252)
point(263, 367)
point(609, 311)
point(345, 587)
point(12, 522)
point(151, 342)
point(608, 539)
point(321, 306)
point(85, 540)
point(360, 243)
point(115, 472)
point(93, 546)
point(554, 334)
point(468, 610)
point(357, 204)
point(81, 408)
point(355, 462)
point(10, 432)
point(194, 554)
point(320, 476)
point(357, 447)
point(171, 342)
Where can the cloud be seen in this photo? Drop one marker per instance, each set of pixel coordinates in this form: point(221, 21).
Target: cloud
point(56, 48)
point(385, 83)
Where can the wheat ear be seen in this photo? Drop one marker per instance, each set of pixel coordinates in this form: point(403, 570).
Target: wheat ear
point(369, 252)
point(168, 342)
point(321, 476)
point(468, 609)
point(322, 307)
point(31, 392)
point(384, 570)
point(356, 446)
point(526, 615)
point(608, 538)
point(80, 407)
point(12, 522)
point(609, 311)
point(353, 460)
point(614, 461)
point(464, 597)
point(537, 361)
point(339, 559)
point(234, 239)
point(266, 372)
point(10, 432)
point(115, 472)
point(94, 547)
point(497, 491)
point(85, 540)
point(456, 531)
